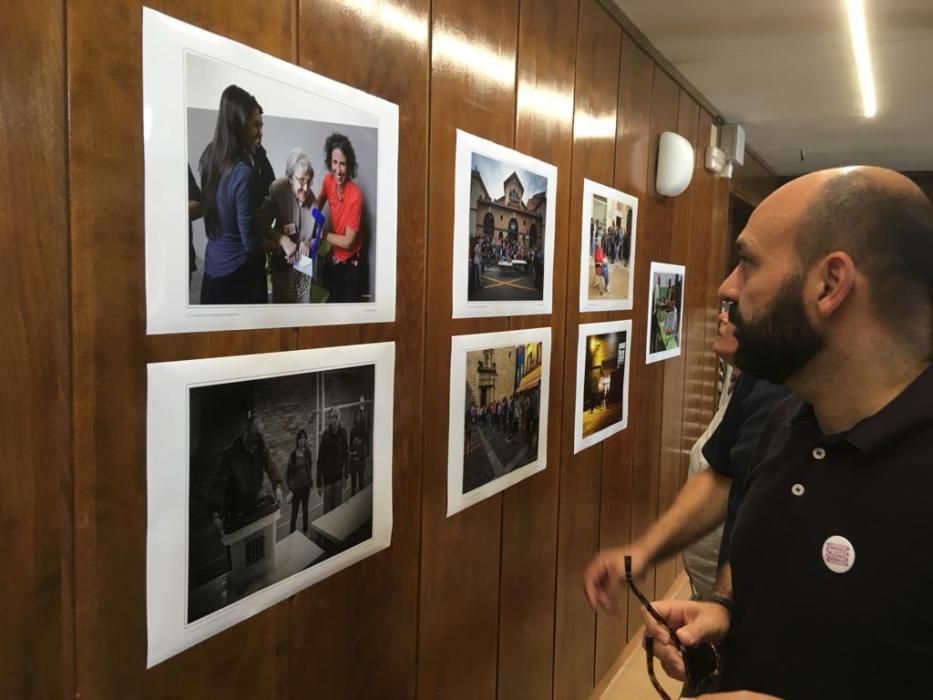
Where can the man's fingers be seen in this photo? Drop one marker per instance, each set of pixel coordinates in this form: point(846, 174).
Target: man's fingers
point(673, 664)
point(670, 658)
point(597, 584)
point(707, 623)
point(658, 631)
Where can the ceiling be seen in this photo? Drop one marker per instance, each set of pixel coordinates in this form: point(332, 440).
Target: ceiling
point(784, 70)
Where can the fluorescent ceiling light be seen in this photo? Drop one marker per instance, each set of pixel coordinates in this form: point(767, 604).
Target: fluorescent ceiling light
point(859, 35)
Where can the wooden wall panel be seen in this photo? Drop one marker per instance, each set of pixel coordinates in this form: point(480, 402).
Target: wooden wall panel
point(370, 608)
point(616, 496)
point(473, 88)
point(700, 377)
point(595, 118)
point(543, 129)
point(671, 459)
point(110, 351)
point(36, 654)
point(484, 604)
point(654, 244)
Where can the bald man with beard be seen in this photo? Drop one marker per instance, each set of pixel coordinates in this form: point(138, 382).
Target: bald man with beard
point(831, 562)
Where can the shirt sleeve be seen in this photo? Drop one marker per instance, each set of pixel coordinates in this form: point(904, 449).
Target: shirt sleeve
point(242, 177)
point(730, 448)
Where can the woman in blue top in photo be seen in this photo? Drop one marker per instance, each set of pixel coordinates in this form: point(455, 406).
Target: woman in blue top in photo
point(234, 260)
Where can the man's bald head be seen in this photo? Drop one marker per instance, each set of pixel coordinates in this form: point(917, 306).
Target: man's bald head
point(884, 222)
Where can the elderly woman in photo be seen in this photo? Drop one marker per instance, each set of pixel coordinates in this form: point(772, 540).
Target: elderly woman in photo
point(345, 274)
point(285, 220)
point(234, 263)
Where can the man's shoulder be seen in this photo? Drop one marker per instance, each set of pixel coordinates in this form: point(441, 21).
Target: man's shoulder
point(760, 391)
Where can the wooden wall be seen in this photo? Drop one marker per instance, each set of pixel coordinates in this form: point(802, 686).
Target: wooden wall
point(485, 604)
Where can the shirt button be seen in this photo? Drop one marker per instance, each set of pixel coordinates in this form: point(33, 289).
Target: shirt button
point(797, 489)
point(819, 453)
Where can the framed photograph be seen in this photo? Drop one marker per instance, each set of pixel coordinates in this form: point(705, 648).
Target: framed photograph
point(607, 258)
point(504, 205)
point(286, 214)
point(665, 311)
point(266, 474)
point(602, 382)
point(498, 412)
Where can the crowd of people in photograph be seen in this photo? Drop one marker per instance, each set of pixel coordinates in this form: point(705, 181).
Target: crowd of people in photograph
point(236, 495)
point(489, 252)
point(516, 416)
point(616, 242)
point(260, 227)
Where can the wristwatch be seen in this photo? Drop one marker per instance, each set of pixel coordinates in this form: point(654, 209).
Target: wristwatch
point(722, 600)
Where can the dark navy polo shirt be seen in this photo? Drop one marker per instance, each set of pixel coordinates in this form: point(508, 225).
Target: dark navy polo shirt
point(730, 448)
point(865, 630)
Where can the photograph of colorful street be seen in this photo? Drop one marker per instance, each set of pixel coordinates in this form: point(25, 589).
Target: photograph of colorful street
point(502, 412)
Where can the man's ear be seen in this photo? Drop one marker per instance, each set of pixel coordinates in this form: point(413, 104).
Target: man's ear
point(835, 280)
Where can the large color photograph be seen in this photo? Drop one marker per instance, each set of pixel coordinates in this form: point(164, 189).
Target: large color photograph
point(607, 272)
point(665, 312)
point(503, 230)
point(498, 413)
point(290, 178)
point(603, 354)
point(267, 473)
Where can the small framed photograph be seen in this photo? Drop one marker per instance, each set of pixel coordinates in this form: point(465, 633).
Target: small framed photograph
point(602, 382)
point(499, 388)
point(266, 473)
point(504, 204)
point(665, 312)
point(285, 211)
point(607, 258)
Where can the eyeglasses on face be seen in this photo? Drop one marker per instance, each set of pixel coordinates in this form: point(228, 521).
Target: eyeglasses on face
point(701, 662)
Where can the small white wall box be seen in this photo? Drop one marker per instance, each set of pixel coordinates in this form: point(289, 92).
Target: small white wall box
point(732, 141)
point(675, 164)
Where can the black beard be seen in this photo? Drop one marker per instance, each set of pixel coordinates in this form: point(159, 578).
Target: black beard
point(780, 340)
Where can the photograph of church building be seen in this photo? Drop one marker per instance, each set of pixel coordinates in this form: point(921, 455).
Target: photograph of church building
point(507, 218)
point(504, 216)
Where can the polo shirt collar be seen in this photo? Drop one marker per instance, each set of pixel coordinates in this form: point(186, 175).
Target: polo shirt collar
point(911, 409)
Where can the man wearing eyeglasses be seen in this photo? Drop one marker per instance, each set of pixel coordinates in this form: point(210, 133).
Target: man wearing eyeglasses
point(824, 592)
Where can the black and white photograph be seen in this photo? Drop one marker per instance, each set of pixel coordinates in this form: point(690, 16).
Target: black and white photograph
point(603, 353)
point(290, 213)
point(276, 481)
point(665, 312)
point(503, 230)
point(498, 413)
point(607, 259)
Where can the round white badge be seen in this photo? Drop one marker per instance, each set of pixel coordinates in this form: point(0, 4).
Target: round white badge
point(838, 554)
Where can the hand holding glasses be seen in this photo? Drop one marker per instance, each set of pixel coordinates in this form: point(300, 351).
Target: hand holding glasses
point(701, 662)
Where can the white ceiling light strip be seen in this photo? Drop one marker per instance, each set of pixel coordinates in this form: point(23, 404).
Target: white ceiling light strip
point(859, 34)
